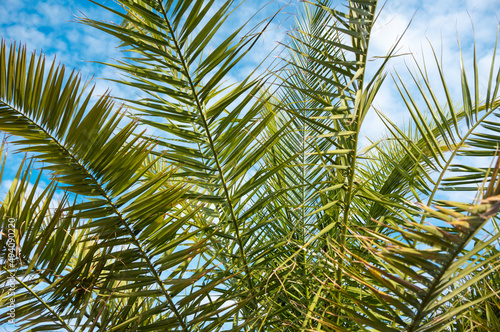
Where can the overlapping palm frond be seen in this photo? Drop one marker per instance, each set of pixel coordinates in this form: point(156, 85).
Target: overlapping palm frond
point(324, 96)
point(252, 207)
point(209, 146)
point(420, 272)
point(125, 224)
point(211, 131)
point(415, 278)
point(382, 183)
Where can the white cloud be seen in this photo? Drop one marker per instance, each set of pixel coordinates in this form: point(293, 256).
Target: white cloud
point(436, 23)
point(53, 13)
point(49, 28)
point(27, 35)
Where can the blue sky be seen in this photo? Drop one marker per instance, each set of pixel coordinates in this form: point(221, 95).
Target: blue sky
point(48, 26)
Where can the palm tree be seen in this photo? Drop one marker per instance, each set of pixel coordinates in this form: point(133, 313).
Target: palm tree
point(254, 207)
